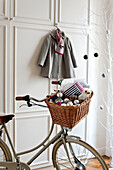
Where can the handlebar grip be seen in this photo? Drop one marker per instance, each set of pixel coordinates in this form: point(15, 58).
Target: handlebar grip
point(25, 98)
point(55, 82)
point(20, 98)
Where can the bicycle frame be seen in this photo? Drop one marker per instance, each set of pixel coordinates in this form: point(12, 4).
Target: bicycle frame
point(45, 146)
point(62, 136)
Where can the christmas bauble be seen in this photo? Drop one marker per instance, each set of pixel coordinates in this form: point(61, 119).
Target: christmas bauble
point(95, 54)
point(70, 104)
point(103, 75)
point(59, 94)
point(85, 57)
point(66, 100)
point(101, 107)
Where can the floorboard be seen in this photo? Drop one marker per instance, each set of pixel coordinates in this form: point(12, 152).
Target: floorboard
point(93, 165)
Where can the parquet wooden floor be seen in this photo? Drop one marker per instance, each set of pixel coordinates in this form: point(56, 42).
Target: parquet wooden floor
point(93, 165)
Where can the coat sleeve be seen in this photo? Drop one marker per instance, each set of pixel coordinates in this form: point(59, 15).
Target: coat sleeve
point(44, 51)
point(72, 54)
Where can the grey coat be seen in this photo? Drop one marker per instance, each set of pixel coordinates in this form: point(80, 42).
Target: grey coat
point(55, 65)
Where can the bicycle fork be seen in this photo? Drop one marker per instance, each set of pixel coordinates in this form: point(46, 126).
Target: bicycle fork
point(79, 165)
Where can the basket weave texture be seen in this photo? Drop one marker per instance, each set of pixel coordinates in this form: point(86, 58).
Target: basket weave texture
point(68, 116)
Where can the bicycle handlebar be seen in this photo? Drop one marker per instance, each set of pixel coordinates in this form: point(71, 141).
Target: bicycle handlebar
point(28, 98)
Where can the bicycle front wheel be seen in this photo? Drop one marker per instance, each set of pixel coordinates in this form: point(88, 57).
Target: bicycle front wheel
point(5, 154)
point(81, 156)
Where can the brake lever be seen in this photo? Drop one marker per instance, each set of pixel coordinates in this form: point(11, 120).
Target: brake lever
point(23, 105)
point(27, 99)
point(29, 104)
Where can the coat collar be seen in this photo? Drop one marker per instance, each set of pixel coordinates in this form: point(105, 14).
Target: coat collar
point(53, 34)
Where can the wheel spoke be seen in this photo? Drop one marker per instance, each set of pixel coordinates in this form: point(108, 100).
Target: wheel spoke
point(80, 156)
point(2, 157)
point(5, 154)
point(65, 166)
point(62, 159)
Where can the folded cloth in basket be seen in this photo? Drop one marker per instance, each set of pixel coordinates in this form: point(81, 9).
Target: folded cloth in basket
point(79, 86)
point(66, 83)
point(72, 90)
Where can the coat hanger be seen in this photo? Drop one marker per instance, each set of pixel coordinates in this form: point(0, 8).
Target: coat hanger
point(56, 25)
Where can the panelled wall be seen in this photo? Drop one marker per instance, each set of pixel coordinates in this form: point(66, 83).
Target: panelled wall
point(23, 27)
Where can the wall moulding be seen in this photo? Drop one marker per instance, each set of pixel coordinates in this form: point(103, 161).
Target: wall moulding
point(21, 62)
point(32, 124)
point(39, 12)
point(29, 116)
point(77, 19)
point(3, 68)
point(4, 9)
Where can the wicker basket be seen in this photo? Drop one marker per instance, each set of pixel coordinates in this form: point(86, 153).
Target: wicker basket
point(68, 116)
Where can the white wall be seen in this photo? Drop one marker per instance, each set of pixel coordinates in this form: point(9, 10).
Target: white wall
point(99, 42)
point(23, 27)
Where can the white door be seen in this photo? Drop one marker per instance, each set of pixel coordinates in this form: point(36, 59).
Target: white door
point(30, 21)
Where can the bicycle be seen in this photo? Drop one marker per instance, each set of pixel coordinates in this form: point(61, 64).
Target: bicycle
point(69, 152)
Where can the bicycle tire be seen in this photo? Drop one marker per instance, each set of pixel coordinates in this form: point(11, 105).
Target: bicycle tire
point(5, 154)
point(61, 162)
